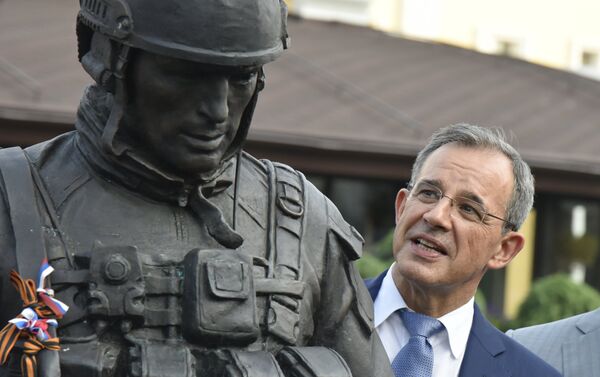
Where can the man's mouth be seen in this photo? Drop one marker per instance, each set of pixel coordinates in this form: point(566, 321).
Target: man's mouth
point(429, 245)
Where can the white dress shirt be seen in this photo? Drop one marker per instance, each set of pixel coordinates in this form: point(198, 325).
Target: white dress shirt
point(448, 345)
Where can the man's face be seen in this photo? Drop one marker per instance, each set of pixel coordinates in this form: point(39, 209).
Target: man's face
point(435, 247)
point(186, 114)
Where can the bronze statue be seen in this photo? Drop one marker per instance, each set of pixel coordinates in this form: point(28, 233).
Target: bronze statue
point(177, 253)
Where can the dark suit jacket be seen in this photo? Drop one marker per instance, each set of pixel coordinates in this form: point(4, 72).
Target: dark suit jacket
point(490, 352)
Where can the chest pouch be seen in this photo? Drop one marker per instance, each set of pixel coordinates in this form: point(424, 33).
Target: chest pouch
point(219, 300)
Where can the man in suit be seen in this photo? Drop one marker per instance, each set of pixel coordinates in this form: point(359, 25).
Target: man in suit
point(570, 345)
point(469, 193)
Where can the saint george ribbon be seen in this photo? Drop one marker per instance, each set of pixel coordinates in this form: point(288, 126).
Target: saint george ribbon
point(30, 329)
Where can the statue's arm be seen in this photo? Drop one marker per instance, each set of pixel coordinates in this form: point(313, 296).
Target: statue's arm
point(345, 316)
point(9, 300)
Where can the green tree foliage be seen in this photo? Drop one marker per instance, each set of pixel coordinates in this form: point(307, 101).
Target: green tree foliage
point(370, 266)
point(377, 258)
point(382, 250)
point(555, 297)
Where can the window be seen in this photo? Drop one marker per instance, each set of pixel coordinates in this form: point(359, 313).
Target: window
point(589, 59)
point(502, 42)
point(366, 204)
point(568, 238)
point(508, 48)
point(585, 57)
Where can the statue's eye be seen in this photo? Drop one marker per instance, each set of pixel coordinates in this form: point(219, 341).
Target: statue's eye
point(243, 78)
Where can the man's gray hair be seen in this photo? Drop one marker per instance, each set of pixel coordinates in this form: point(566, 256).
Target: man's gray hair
point(469, 135)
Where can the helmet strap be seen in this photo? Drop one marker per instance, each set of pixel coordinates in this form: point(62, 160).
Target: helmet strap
point(119, 100)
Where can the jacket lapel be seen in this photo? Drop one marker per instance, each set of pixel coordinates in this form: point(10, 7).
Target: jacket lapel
point(373, 285)
point(482, 348)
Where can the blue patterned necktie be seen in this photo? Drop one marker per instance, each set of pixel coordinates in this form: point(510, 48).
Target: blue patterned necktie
point(415, 359)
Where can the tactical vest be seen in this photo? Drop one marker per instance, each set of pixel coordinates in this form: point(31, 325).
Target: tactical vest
point(210, 315)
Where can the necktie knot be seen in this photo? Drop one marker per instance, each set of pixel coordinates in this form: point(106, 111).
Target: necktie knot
point(415, 359)
point(420, 324)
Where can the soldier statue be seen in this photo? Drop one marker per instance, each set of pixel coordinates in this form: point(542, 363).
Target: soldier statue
point(177, 253)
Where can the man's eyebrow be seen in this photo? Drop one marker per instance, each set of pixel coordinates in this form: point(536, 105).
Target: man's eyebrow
point(474, 197)
point(464, 194)
point(433, 182)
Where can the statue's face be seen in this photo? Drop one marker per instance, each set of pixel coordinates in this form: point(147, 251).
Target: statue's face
point(186, 114)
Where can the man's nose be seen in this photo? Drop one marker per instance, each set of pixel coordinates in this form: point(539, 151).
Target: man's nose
point(213, 104)
point(439, 214)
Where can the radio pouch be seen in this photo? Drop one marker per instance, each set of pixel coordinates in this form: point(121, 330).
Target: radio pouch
point(219, 300)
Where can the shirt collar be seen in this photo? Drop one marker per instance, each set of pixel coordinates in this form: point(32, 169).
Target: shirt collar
point(389, 300)
point(457, 323)
point(458, 326)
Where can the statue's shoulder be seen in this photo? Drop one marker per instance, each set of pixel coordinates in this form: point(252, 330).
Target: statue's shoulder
point(296, 194)
point(59, 148)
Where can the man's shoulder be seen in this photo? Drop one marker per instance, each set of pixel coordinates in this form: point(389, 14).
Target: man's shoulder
point(504, 352)
point(563, 328)
point(579, 334)
point(527, 363)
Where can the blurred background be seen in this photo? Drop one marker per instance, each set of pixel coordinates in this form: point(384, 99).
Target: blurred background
point(363, 86)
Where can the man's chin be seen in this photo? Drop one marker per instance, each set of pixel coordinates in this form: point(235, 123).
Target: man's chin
point(422, 274)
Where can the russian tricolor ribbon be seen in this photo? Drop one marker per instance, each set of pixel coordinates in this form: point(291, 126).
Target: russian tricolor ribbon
point(32, 324)
point(46, 294)
point(35, 325)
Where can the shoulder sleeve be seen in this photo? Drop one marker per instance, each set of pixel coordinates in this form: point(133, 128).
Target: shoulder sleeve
point(344, 319)
point(9, 299)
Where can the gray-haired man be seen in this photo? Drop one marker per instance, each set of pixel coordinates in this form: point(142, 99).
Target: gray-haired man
point(469, 193)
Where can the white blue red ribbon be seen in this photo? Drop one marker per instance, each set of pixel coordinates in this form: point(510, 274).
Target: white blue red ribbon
point(37, 326)
point(46, 294)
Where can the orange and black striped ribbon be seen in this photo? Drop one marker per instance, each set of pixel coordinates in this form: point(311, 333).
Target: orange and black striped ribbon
point(31, 348)
point(28, 292)
point(8, 337)
point(26, 288)
point(10, 333)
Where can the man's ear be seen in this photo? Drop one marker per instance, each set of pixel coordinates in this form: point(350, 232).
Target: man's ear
point(511, 244)
point(401, 198)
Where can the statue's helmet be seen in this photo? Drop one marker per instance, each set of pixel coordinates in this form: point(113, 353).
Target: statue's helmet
point(219, 32)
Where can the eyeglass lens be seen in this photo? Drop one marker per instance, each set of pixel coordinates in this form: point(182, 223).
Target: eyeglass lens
point(467, 208)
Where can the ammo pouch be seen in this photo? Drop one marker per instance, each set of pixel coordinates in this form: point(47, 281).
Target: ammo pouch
point(312, 362)
point(219, 300)
point(159, 360)
point(290, 362)
point(90, 359)
point(232, 363)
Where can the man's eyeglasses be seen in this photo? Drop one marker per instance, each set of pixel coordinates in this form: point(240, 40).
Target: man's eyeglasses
point(468, 209)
